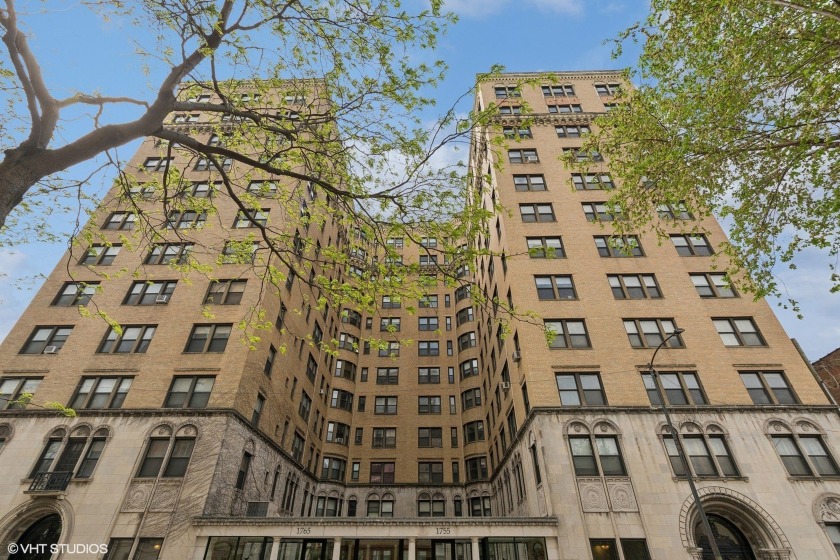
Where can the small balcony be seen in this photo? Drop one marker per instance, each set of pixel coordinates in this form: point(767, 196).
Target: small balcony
point(50, 482)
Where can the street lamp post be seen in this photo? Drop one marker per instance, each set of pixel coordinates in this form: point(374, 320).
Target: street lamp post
point(680, 451)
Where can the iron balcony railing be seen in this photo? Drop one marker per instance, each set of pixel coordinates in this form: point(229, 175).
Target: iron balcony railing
point(50, 482)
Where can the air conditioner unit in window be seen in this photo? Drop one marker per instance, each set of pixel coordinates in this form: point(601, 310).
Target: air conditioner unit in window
point(505, 385)
point(532, 159)
point(339, 440)
point(162, 299)
point(50, 349)
point(517, 356)
point(321, 392)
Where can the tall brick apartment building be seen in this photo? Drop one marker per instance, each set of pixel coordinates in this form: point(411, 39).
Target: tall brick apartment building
point(469, 443)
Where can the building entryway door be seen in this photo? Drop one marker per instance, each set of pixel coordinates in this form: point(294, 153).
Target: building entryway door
point(35, 543)
point(732, 543)
point(308, 549)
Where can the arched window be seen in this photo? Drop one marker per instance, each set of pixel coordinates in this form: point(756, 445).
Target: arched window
point(68, 455)
point(803, 450)
point(39, 536)
point(707, 451)
point(596, 455)
point(380, 507)
point(168, 454)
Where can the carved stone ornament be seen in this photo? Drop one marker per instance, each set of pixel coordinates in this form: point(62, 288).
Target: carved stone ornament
point(166, 496)
point(577, 428)
point(805, 426)
point(621, 495)
point(603, 427)
point(830, 509)
point(777, 426)
point(592, 495)
point(137, 497)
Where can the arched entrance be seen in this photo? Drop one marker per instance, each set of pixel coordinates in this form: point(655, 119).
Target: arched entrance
point(36, 541)
point(733, 545)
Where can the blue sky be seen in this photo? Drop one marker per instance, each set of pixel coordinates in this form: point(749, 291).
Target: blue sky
point(79, 51)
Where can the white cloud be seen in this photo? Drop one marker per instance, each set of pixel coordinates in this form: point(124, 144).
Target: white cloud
point(573, 7)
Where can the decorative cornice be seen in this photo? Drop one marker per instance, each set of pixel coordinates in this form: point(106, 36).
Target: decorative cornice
point(376, 521)
point(554, 75)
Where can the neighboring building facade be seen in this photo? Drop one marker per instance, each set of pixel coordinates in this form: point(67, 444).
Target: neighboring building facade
point(828, 368)
point(469, 443)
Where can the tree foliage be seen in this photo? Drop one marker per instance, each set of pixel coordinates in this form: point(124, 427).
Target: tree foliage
point(738, 114)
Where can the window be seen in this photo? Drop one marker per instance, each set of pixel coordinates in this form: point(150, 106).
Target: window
point(592, 181)
point(152, 164)
point(333, 469)
point(680, 388)
point(262, 188)
point(600, 212)
point(428, 348)
point(555, 287)
point(208, 338)
point(382, 473)
point(394, 242)
point(713, 285)
point(76, 455)
point(141, 190)
point(476, 468)
point(512, 132)
point(100, 255)
point(150, 293)
point(305, 406)
point(297, 449)
point(608, 89)
point(649, 333)
point(430, 437)
point(428, 301)
point(169, 253)
point(580, 156)
point(607, 461)
point(100, 392)
point(626, 246)
point(12, 388)
point(634, 286)
point(510, 110)
point(46, 340)
point(467, 340)
point(199, 190)
point(677, 211)
point(571, 131)
point(768, 387)
point(75, 293)
point(127, 339)
point(169, 455)
point(578, 389)
point(427, 375)
point(189, 392)
point(738, 332)
point(566, 90)
point(692, 245)
point(474, 431)
point(351, 317)
point(506, 91)
point(390, 350)
point(244, 252)
point(465, 315)
point(185, 220)
point(532, 213)
point(568, 333)
point(384, 438)
point(708, 455)
point(343, 368)
point(120, 220)
point(385, 405)
point(389, 302)
point(206, 164)
point(815, 461)
point(430, 472)
point(545, 247)
point(428, 405)
point(258, 408)
point(523, 156)
point(471, 398)
point(186, 118)
point(251, 218)
point(389, 324)
point(147, 549)
point(605, 549)
point(431, 506)
point(469, 368)
point(387, 376)
point(225, 292)
point(244, 467)
point(565, 108)
point(524, 183)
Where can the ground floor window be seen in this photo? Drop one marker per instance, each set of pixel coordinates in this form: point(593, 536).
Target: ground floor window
point(228, 548)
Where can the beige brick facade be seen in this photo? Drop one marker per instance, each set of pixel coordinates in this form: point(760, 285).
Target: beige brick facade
point(263, 477)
